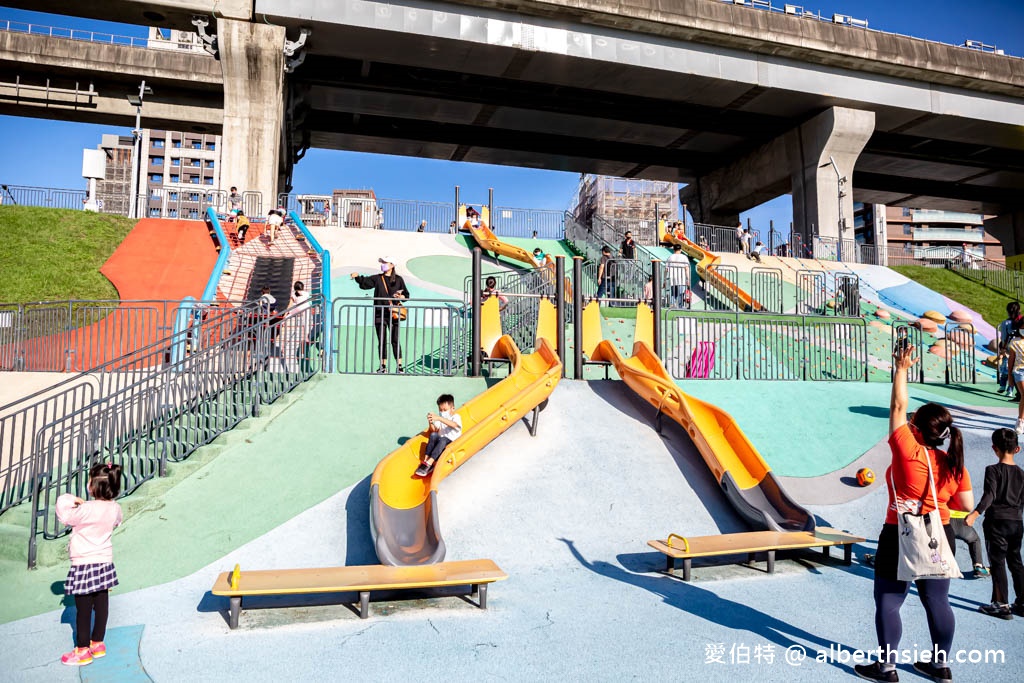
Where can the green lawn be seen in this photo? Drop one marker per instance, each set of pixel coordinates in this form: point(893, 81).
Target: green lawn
point(989, 302)
point(53, 254)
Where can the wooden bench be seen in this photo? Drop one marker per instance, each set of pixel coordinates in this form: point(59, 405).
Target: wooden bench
point(360, 579)
point(677, 547)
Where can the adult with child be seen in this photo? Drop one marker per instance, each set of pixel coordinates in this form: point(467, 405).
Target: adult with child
point(92, 573)
point(389, 291)
point(443, 427)
point(920, 479)
point(1002, 503)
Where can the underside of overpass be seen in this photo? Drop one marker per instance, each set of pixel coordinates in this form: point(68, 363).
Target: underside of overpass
point(695, 91)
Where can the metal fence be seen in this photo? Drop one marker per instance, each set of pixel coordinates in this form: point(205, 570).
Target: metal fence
point(77, 336)
point(989, 274)
point(720, 345)
point(147, 408)
point(432, 339)
point(96, 36)
point(183, 202)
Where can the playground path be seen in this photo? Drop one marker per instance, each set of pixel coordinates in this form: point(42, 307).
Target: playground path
point(567, 515)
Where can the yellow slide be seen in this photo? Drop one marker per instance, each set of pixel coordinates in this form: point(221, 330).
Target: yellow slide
point(403, 508)
point(705, 262)
point(744, 476)
point(488, 241)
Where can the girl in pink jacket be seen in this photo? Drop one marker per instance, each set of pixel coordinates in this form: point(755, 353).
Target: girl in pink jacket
point(92, 572)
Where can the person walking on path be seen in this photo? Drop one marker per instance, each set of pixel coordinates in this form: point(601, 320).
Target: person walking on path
point(389, 291)
point(92, 573)
point(1002, 503)
point(916, 463)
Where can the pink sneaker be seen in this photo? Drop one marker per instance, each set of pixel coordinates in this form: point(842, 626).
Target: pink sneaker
point(80, 656)
point(97, 650)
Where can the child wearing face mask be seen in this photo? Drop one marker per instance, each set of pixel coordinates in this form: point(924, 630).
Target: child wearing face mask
point(443, 427)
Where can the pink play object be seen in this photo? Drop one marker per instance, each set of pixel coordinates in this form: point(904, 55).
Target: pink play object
point(961, 316)
point(927, 325)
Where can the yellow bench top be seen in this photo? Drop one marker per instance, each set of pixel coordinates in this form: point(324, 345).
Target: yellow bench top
point(359, 578)
point(750, 542)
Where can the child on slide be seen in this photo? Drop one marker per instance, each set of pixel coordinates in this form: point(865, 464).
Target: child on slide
point(444, 427)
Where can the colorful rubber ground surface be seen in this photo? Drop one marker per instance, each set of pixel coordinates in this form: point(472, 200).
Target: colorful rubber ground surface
point(566, 514)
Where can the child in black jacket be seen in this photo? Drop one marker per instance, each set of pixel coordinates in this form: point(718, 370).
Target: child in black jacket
point(1003, 505)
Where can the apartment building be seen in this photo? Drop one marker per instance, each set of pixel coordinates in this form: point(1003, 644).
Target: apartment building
point(178, 176)
point(924, 235)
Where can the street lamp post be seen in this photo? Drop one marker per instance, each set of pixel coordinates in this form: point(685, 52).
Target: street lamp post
point(136, 101)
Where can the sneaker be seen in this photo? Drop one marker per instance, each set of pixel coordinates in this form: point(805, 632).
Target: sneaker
point(400, 370)
point(1019, 428)
point(873, 672)
point(80, 656)
point(997, 611)
point(939, 674)
point(981, 572)
point(1017, 608)
point(382, 370)
point(97, 650)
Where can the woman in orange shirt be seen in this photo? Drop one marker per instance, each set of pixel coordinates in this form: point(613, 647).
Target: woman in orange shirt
point(913, 444)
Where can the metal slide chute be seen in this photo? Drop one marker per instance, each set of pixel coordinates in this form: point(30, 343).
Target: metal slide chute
point(745, 478)
point(404, 508)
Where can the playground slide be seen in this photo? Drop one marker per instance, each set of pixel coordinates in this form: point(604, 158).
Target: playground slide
point(705, 260)
point(403, 508)
point(745, 478)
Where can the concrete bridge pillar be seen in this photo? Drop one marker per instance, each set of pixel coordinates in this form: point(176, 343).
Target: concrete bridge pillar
point(252, 55)
point(837, 134)
point(1008, 228)
point(797, 161)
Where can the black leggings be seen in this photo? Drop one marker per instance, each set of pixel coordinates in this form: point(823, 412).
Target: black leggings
point(969, 536)
point(1003, 538)
point(84, 625)
point(386, 327)
point(890, 594)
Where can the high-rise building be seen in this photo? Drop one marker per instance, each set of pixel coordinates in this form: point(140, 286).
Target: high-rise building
point(179, 174)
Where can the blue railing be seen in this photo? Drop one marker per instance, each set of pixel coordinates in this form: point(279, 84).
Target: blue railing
point(210, 293)
point(325, 273)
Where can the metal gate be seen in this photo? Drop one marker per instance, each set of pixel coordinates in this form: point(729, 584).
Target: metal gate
point(766, 288)
point(961, 365)
point(847, 294)
point(811, 292)
point(904, 333)
point(721, 282)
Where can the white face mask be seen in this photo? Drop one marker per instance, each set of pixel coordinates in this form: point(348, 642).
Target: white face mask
point(446, 414)
point(383, 267)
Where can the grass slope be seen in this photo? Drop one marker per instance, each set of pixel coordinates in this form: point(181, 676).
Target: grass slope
point(985, 300)
point(52, 254)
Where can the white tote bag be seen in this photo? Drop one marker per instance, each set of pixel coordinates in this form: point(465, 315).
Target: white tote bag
point(924, 548)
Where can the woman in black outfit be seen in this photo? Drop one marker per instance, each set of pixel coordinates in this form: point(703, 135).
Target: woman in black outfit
point(388, 292)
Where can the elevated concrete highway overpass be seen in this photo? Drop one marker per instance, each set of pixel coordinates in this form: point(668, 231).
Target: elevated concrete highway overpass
point(744, 105)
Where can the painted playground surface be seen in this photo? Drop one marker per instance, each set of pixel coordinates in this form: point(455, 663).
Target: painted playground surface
point(566, 514)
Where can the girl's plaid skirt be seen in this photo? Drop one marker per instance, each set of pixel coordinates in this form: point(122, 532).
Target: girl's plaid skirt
point(90, 578)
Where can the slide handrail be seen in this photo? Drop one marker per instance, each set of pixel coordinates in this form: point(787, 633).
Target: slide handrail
point(210, 292)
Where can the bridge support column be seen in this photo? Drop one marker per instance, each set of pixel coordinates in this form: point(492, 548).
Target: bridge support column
point(797, 161)
point(1008, 228)
point(252, 55)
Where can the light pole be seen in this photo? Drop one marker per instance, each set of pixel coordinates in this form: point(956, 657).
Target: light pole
point(136, 101)
point(841, 181)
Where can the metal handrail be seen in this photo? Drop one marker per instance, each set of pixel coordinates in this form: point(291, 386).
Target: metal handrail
point(91, 36)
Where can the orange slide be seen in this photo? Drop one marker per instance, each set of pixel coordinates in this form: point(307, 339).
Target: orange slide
point(745, 478)
point(706, 261)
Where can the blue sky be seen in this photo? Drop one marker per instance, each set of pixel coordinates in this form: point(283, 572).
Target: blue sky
point(58, 163)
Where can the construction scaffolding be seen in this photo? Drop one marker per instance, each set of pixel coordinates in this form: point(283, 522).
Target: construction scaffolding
point(632, 202)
